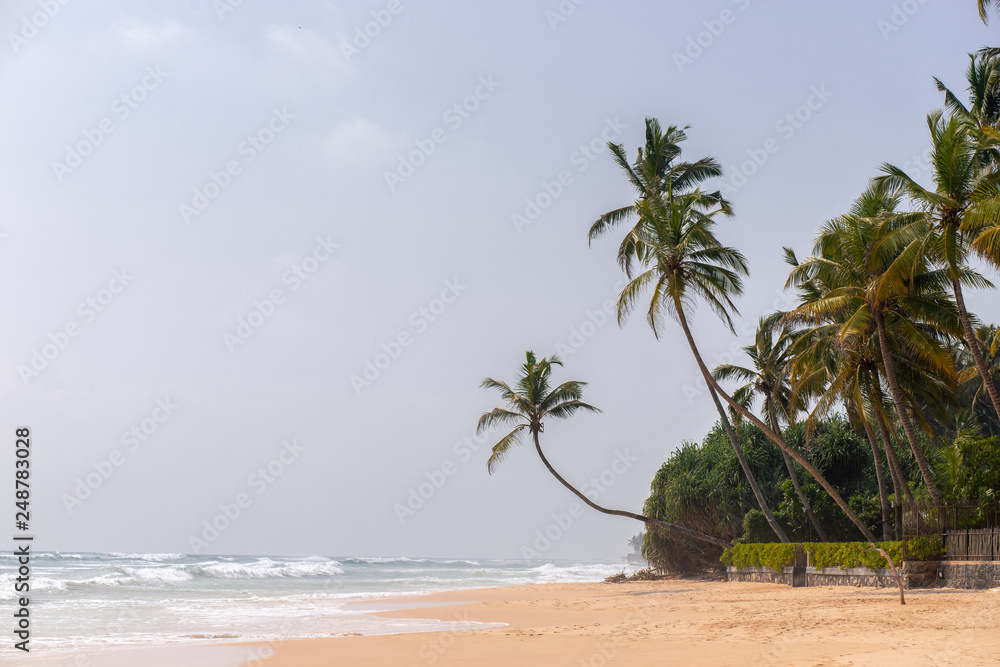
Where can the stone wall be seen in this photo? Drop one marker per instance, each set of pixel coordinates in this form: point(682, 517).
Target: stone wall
point(969, 574)
point(915, 574)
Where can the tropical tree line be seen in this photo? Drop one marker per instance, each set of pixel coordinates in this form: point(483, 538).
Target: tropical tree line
point(881, 343)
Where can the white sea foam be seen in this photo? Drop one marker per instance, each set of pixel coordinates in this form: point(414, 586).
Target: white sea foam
point(266, 568)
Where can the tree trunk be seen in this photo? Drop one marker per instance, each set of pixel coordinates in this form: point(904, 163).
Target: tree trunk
point(973, 342)
point(897, 398)
point(899, 483)
point(687, 532)
point(794, 476)
point(883, 497)
point(768, 432)
point(745, 465)
point(899, 476)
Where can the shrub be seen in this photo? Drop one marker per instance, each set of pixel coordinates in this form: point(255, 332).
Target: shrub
point(844, 555)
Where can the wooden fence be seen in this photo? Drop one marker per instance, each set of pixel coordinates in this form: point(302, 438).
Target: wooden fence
point(977, 544)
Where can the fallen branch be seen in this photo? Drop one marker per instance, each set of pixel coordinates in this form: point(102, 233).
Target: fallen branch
point(895, 573)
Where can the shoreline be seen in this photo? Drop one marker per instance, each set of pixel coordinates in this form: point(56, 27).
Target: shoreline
point(688, 621)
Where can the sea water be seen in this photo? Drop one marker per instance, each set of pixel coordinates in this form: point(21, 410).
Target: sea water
point(96, 601)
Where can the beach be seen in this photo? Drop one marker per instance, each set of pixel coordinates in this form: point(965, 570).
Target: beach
point(676, 622)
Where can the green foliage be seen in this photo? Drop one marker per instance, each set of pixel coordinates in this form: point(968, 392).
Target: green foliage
point(774, 555)
point(831, 554)
point(756, 528)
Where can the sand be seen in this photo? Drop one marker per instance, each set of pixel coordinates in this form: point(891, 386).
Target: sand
point(678, 623)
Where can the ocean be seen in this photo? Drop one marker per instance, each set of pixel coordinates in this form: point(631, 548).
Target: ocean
point(90, 601)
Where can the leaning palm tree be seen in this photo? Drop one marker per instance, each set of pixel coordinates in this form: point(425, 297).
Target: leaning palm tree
point(965, 198)
point(768, 379)
point(530, 403)
point(685, 262)
point(656, 174)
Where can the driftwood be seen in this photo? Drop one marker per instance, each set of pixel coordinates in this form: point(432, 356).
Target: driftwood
point(895, 573)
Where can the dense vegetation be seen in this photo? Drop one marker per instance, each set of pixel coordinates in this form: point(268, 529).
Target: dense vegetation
point(876, 391)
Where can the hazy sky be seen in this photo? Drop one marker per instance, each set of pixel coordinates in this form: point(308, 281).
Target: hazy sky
point(217, 213)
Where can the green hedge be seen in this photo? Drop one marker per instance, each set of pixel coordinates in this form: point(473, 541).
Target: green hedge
point(830, 554)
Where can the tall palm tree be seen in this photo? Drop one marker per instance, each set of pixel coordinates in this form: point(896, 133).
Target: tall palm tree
point(984, 9)
point(657, 174)
point(853, 256)
point(530, 403)
point(965, 196)
point(686, 262)
point(771, 360)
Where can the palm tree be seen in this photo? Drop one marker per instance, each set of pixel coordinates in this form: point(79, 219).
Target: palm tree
point(686, 262)
point(853, 256)
point(964, 197)
point(769, 379)
point(984, 9)
point(656, 173)
point(983, 110)
point(829, 372)
point(529, 404)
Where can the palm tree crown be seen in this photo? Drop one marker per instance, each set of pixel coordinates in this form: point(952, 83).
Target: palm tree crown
point(530, 403)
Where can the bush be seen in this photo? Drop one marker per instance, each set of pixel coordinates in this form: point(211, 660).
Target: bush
point(844, 555)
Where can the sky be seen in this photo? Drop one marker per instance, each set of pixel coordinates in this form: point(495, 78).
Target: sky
point(256, 258)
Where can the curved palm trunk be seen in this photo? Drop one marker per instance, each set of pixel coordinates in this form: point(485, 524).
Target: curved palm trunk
point(768, 432)
point(904, 417)
point(687, 532)
point(973, 343)
point(883, 496)
point(745, 465)
point(794, 476)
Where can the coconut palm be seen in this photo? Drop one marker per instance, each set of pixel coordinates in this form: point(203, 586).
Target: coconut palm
point(768, 379)
point(984, 9)
point(530, 403)
point(853, 257)
point(963, 202)
point(983, 79)
point(656, 172)
point(684, 261)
